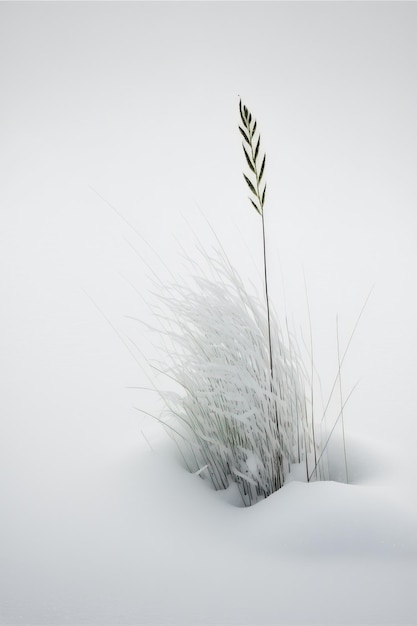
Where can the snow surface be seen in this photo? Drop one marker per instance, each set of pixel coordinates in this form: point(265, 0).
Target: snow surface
point(142, 541)
point(139, 102)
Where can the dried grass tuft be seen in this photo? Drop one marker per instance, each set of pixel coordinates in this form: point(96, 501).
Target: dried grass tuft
point(229, 416)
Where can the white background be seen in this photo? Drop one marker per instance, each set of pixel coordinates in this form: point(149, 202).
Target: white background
point(139, 101)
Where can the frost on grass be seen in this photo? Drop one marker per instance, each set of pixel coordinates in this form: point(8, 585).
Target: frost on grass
point(234, 419)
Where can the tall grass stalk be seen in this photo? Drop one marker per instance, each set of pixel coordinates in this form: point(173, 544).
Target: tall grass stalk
point(256, 163)
point(256, 166)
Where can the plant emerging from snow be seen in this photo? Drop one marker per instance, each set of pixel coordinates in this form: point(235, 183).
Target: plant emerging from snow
point(240, 414)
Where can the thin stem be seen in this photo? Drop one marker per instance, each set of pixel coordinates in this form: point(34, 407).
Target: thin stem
point(268, 312)
point(312, 372)
point(346, 351)
point(271, 367)
point(331, 432)
point(341, 399)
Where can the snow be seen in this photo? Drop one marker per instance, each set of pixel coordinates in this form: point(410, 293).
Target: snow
point(100, 523)
point(153, 544)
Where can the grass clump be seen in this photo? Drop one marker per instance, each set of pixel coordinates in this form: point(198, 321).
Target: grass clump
point(233, 422)
point(240, 412)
